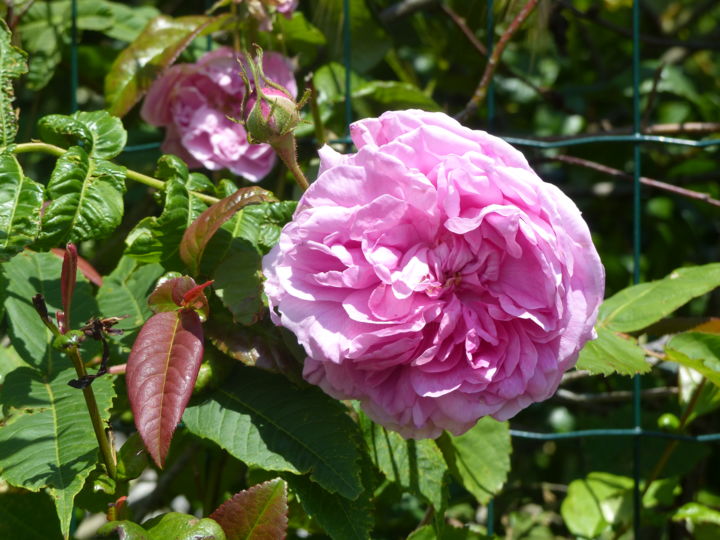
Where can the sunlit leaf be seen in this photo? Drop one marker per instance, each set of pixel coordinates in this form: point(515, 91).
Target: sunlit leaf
point(418, 466)
point(28, 274)
point(266, 421)
point(86, 199)
point(20, 203)
point(100, 134)
point(157, 46)
point(480, 458)
point(610, 353)
point(161, 371)
point(699, 351)
point(125, 292)
point(12, 65)
point(639, 306)
point(157, 239)
point(256, 513)
point(46, 438)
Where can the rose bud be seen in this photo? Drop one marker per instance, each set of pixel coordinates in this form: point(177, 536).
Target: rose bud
point(273, 115)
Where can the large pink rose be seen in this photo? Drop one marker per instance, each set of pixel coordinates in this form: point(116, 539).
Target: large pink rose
point(434, 276)
point(193, 102)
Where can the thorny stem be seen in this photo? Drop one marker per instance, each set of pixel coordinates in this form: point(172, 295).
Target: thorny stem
point(494, 60)
point(102, 438)
point(51, 149)
point(572, 160)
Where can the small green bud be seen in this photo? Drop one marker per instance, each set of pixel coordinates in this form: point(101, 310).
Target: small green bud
point(273, 115)
point(69, 339)
point(668, 422)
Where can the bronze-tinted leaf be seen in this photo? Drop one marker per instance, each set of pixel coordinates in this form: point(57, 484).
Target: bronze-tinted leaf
point(161, 371)
point(258, 513)
point(198, 234)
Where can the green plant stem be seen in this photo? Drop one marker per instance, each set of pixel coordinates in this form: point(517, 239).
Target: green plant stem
point(56, 151)
point(103, 442)
point(670, 448)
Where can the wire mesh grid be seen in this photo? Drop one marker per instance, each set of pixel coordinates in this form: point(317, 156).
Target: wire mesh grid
point(636, 138)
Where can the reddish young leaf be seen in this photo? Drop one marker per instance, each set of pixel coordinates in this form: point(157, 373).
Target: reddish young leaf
point(86, 269)
point(161, 372)
point(68, 278)
point(174, 293)
point(258, 513)
point(199, 233)
point(195, 298)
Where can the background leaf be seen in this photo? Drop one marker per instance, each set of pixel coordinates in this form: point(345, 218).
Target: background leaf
point(265, 421)
point(480, 458)
point(20, 203)
point(12, 66)
point(161, 371)
point(256, 513)
point(158, 45)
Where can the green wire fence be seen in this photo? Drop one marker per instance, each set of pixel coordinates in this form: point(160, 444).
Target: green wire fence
point(637, 139)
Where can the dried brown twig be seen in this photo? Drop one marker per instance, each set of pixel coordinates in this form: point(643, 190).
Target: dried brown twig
point(494, 60)
point(572, 160)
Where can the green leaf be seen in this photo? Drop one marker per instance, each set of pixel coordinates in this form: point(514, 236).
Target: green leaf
point(47, 439)
point(341, 518)
point(238, 284)
point(396, 95)
point(595, 503)
point(427, 532)
point(86, 199)
point(125, 292)
point(697, 513)
point(328, 16)
point(172, 525)
point(20, 203)
point(45, 29)
point(265, 421)
point(30, 516)
point(639, 306)
point(183, 527)
point(610, 353)
point(157, 46)
point(698, 351)
point(124, 530)
point(157, 239)
point(256, 513)
point(28, 274)
point(480, 458)
point(201, 231)
point(301, 37)
point(417, 466)
point(129, 20)
point(12, 65)
point(100, 134)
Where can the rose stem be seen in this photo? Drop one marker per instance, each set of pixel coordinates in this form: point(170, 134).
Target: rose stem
point(51, 149)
